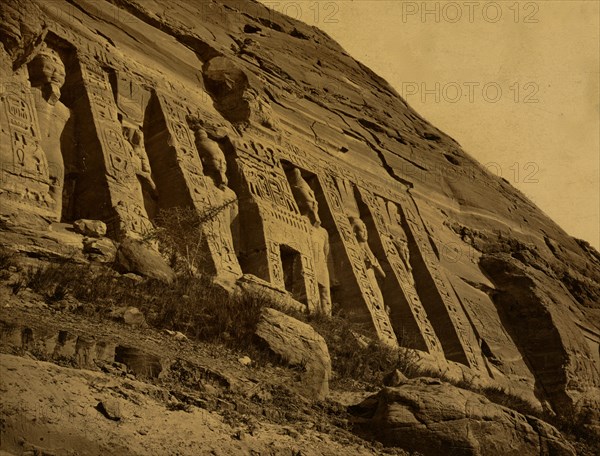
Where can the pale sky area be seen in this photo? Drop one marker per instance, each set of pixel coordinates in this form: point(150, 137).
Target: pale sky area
point(515, 83)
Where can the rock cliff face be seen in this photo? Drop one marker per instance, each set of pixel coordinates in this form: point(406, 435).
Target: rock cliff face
point(326, 184)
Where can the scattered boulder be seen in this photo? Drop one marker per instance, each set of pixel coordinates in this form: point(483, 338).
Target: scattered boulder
point(394, 378)
point(137, 257)
point(133, 278)
point(180, 337)
point(298, 344)
point(90, 228)
point(134, 317)
point(177, 335)
point(110, 408)
point(252, 285)
point(245, 361)
point(102, 250)
point(432, 418)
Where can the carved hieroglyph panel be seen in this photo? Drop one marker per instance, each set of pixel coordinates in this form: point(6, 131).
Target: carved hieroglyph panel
point(379, 316)
point(23, 162)
point(466, 336)
point(130, 215)
point(377, 207)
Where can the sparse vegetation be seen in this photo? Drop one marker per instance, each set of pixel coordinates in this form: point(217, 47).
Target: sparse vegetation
point(179, 232)
point(205, 311)
point(355, 356)
point(193, 305)
point(6, 261)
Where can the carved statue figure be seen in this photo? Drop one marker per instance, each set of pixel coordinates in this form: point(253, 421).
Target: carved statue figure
point(320, 248)
point(130, 99)
point(309, 207)
point(47, 76)
point(135, 138)
point(305, 197)
point(213, 159)
point(372, 265)
point(225, 224)
point(399, 237)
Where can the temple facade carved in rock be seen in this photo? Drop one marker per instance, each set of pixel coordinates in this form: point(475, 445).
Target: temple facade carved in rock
point(93, 130)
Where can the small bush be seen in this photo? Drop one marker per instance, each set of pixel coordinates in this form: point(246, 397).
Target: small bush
point(502, 397)
point(205, 311)
point(355, 356)
point(6, 258)
point(576, 426)
point(179, 232)
point(6, 261)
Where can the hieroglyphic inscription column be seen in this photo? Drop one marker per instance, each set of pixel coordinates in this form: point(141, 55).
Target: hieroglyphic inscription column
point(465, 335)
point(379, 317)
point(126, 214)
point(23, 164)
point(377, 207)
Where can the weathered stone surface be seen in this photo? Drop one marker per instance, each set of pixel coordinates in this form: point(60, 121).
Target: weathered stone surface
point(137, 257)
point(110, 408)
point(394, 378)
point(91, 228)
point(308, 171)
point(103, 250)
point(134, 317)
point(433, 418)
point(298, 344)
point(534, 312)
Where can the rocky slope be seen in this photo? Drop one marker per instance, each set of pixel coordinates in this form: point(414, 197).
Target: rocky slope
point(320, 184)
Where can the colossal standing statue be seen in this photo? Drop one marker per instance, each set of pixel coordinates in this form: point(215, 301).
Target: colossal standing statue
point(47, 76)
point(372, 266)
point(225, 223)
point(399, 237)
point(305, 197)
point(322, 259)
point(131, 99)
point(308, 206)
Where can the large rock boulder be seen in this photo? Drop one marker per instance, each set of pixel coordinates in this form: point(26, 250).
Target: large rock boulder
point(137, 257)
point(91, 228)
point(101, 250)
point(298, 344)
point(433, 418)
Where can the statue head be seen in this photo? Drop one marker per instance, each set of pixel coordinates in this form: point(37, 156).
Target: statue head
point(360, 229)
point(47, 71)
point(296, 176)
point(213, 158)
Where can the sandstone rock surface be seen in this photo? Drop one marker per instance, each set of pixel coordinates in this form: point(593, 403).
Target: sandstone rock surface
point(103, 250)
point(137, 257)
point(299, 345)
point(91, 228)
point(306, 170)
point(433, 418)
